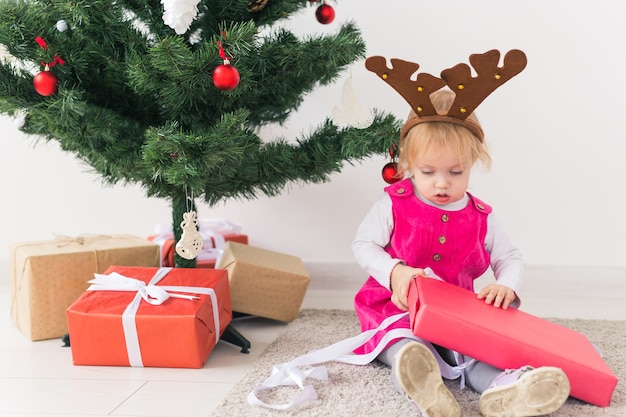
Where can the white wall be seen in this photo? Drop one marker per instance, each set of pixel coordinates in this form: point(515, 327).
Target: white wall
point(555, 132)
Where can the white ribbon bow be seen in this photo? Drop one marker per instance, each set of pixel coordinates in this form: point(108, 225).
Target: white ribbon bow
point(153, 294)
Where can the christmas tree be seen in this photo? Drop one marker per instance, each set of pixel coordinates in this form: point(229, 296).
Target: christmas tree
point(171, 94)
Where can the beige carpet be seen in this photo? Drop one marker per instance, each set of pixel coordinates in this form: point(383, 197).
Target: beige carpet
point(355, 391)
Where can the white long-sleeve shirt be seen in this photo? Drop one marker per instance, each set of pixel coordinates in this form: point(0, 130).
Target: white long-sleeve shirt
point(374, 234)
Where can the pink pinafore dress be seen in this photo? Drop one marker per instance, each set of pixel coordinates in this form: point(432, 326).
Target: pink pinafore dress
point(451, 243)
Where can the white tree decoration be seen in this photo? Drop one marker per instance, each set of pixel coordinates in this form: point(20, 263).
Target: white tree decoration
point(352, 113)
point(191, 241)
point(178, 14)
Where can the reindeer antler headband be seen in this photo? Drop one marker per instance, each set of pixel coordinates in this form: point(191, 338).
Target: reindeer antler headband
point(470, 91)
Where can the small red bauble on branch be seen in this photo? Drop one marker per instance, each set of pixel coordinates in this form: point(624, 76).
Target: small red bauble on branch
point(46, 82)
point(225, 76)
point(390, 170)
point(325, 14)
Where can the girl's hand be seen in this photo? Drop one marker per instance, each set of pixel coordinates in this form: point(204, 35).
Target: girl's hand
point(497, 295)
point(401, 277)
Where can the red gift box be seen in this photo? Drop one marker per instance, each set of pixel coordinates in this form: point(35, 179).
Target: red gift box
point(454, 318)
point(215, 233)
point(179, 333)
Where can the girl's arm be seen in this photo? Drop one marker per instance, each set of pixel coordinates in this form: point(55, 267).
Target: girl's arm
point(506, 260)
point(372, 237)
point(507, 265)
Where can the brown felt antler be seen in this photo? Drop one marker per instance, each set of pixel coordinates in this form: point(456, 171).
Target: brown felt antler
point(416, 93)
point(470, 91)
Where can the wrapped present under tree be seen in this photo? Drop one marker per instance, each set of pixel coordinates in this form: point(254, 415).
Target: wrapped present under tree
point(263, 282)
point(47, 276)
point(158, 317)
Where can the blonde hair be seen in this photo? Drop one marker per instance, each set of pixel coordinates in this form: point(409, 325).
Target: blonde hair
point(438, 136)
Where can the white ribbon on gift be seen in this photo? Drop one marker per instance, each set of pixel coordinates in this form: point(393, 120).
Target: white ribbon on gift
point(153, 294)
point(219, 225)
point(211, 230)
point(209, 253)
point(289, 373)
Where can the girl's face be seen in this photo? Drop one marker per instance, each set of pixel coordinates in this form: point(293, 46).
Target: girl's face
point(441, 177)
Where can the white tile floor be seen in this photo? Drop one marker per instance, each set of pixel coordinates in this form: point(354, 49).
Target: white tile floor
point(38, 378)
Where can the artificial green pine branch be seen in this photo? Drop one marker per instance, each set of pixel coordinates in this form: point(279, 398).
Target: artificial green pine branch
point(137, 103)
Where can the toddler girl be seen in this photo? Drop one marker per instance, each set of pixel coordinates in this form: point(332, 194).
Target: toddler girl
point(427, 224)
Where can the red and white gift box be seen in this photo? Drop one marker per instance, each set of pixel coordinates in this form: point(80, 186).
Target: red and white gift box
point(453, 317)
point(159, 317)
point(215, 233)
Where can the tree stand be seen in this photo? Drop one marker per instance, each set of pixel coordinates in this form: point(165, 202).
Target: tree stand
point(231, 335)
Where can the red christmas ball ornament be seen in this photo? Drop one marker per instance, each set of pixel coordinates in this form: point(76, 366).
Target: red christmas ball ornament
point(46, 82)
point(390, 173)
point(225, 76)
point(325, 14)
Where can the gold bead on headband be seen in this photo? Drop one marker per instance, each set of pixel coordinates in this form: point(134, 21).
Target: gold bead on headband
point(470, 91)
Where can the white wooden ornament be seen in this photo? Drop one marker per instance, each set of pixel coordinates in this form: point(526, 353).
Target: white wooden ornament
point(191, 242)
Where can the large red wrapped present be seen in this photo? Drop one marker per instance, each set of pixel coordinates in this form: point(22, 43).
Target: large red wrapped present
point(215, 233)
point(119, 321)
point(454, 318)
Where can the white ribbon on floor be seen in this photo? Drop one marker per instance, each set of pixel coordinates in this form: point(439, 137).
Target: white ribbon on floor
point(153, 294)
point(288, 374)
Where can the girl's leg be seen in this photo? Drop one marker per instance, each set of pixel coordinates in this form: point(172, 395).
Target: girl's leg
point(480, 375)
point(522, 392)
point(388, 357)
point(525, 392)
point(416, 374)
